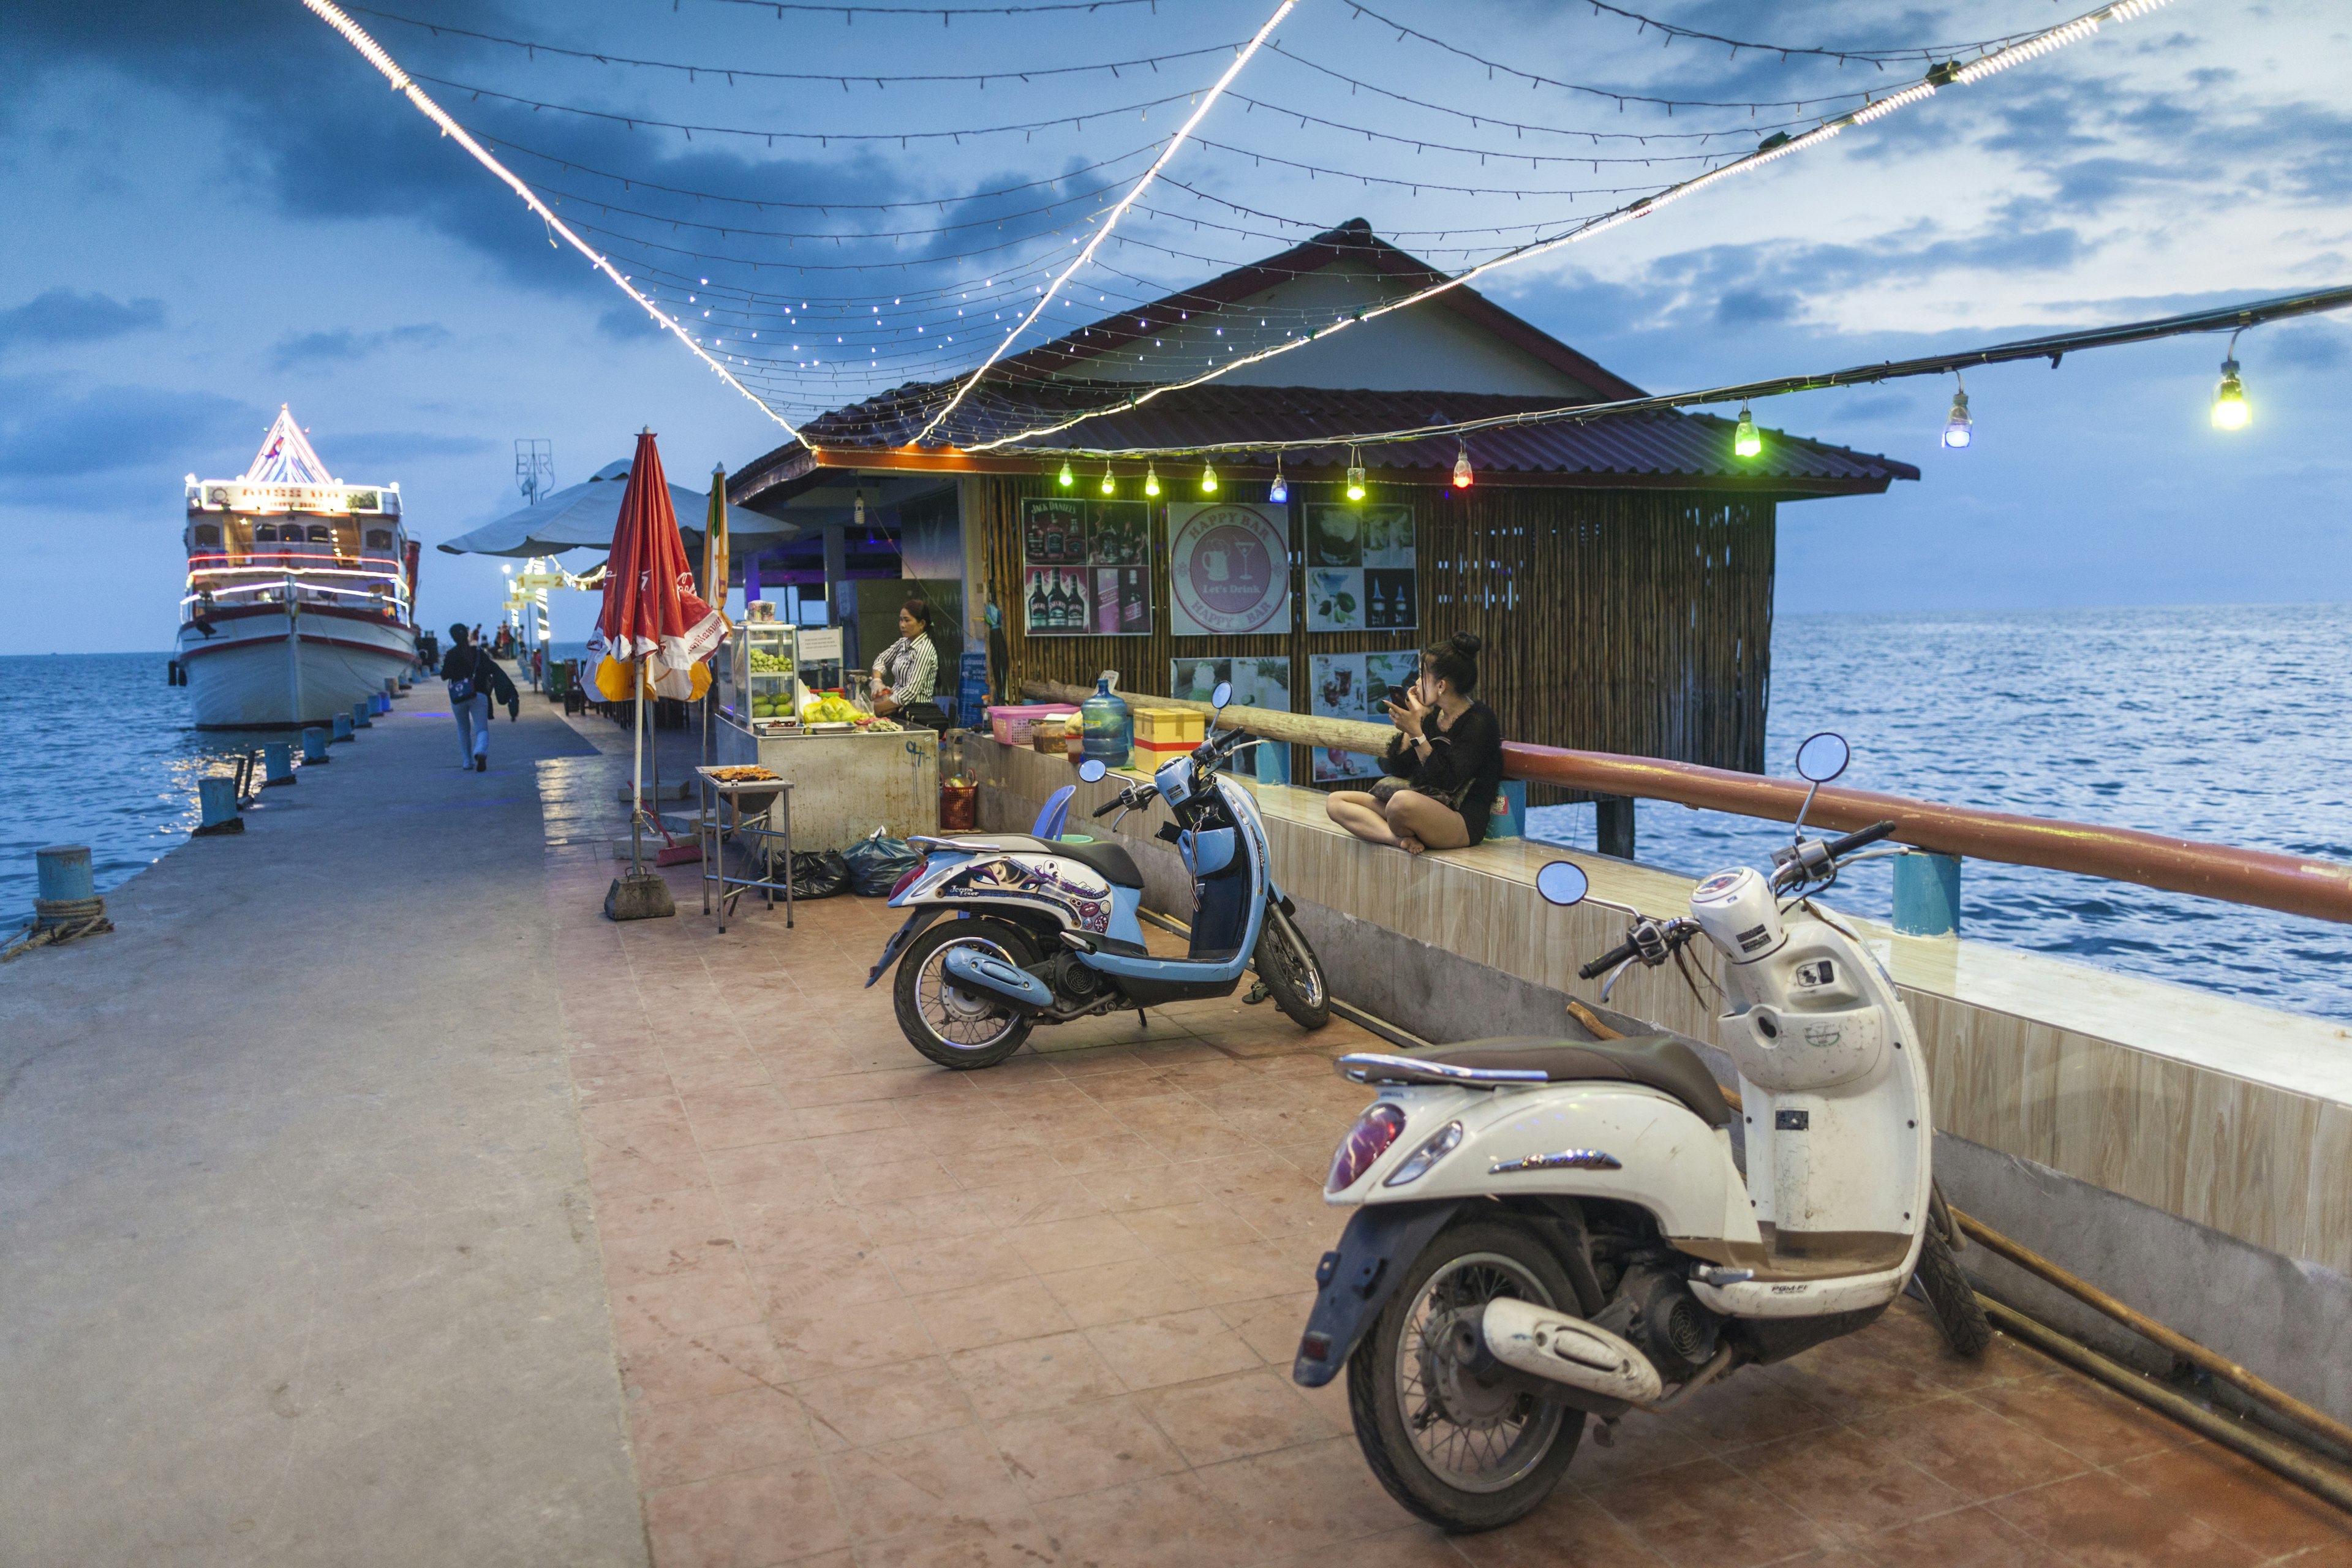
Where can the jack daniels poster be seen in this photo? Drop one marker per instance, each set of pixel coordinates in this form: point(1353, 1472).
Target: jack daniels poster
point(1086, 567)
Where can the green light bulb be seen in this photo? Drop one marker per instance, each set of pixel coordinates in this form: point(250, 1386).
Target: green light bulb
point(1066, 477)
point(1744, 439)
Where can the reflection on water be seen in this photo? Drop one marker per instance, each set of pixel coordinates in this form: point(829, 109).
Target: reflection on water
point(2229, 724)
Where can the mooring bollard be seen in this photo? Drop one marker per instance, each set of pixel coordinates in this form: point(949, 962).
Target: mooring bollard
point(344, 730)
point(64, 874)
point(1927, 894)
point(314, 748)
point(217, 796)
point(277, 763)
point(360, 713)
point(65, 903)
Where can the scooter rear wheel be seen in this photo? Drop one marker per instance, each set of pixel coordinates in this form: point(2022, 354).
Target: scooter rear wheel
point(1461, 1455)
point(1293, 975)
point(1959, 1313)
point(952, 1026)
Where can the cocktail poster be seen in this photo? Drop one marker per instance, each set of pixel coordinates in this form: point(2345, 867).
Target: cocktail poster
point(1258, 683)
point(1086, 567)
point(1228, 569)
point(1363, 568)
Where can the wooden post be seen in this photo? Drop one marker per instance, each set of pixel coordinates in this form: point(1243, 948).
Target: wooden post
point(1614, 823)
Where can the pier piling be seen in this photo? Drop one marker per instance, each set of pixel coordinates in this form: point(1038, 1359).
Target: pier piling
point(314, 748)
point(360, 713)
point(277, 763)
point(344, 729)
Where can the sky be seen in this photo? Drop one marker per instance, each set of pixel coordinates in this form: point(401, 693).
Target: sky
point(218, 207)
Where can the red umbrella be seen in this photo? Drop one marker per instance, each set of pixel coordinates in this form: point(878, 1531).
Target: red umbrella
point(651, 610)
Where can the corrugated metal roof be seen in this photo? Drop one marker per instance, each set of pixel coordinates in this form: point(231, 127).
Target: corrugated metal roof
point(1653, 446)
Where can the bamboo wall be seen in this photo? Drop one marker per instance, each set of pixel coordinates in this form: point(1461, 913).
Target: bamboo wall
point(1632, 621)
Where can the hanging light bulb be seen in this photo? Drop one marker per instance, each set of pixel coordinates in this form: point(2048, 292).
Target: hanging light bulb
point(1107, 485)
point(2230, 410)
point(1744, 439)
point(1957, 432)
point(1208, 478)
point(1461, 467)
point(1355, 475)
point(1278, 492)
point(1065, 479)
point(857, 515)
point(1151, 480)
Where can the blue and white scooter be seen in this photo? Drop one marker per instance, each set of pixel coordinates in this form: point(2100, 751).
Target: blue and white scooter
point(1043, 931)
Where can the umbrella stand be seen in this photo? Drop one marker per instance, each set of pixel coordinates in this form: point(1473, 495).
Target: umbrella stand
point(641, 895)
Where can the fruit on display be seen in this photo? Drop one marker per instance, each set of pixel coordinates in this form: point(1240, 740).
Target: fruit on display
point(763, 662)
point(830, 708)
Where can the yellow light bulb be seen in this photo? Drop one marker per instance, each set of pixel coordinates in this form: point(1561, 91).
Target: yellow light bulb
point(1208, 480)
point(1107, 486)
point(1151, 480)
point(2230, 410)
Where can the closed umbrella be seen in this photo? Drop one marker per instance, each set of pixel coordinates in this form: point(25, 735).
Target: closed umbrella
point(714, 569)
point(653, 620)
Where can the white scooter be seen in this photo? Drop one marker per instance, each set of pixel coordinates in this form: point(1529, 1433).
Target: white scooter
point(1549, 1231)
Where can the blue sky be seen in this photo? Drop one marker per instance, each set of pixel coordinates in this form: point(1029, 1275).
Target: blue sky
point(218, 207)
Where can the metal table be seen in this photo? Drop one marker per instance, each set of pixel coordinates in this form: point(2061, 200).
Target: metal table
point(718, 816)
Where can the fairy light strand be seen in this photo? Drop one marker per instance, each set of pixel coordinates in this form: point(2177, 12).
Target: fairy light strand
point(2074, 31)
point(1109, 222)
point(375, 55)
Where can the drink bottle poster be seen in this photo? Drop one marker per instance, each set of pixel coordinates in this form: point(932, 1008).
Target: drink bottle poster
point(1363, 568)
point(1086, 567)
point(1258, 683)
point(1228, 569)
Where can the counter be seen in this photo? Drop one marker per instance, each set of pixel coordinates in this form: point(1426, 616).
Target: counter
point(845, 786)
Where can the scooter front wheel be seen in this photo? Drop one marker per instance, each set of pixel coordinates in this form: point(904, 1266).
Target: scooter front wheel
point(1292, 972)
point(1951, 1296)
point(953, 1026)
point(1463, 1454)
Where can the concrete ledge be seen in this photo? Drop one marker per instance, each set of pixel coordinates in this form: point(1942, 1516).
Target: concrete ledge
point(2187, 1152)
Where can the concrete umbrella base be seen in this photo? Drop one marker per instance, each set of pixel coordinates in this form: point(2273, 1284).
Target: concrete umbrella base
point(643, 897)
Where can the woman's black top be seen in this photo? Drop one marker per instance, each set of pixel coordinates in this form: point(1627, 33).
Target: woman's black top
point(1464, 768)
point(464, 664)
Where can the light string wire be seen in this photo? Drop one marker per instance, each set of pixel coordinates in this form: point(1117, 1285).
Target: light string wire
point(2052, 347)
point(373, 53)
point(535, 48)
point(1110, 221)
point(2056, 37)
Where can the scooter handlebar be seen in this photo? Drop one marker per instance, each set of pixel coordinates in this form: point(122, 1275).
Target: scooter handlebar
point(1838, 848)
point(1608, 961)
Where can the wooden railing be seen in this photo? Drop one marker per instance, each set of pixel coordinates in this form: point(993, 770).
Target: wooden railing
point(2299, 885)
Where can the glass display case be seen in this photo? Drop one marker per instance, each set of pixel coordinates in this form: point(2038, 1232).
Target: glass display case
point(761, 691)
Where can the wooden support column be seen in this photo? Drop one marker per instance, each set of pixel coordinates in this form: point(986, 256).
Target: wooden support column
point(1613, 819)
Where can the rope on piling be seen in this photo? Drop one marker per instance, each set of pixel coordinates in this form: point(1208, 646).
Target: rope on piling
point(58, 919)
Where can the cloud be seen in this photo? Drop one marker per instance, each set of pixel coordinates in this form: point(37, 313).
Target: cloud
point(2305, 345)
point(380, 450)
point(47, 435)
point(319, 348)
point(1752, 308)
point(62, 316)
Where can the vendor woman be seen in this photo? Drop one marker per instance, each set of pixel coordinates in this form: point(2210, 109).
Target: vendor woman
point(908, 672)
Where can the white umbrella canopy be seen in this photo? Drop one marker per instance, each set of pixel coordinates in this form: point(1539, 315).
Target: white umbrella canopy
point(584, 516)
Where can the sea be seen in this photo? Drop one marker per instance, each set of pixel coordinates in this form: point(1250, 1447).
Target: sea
point(2232, 724)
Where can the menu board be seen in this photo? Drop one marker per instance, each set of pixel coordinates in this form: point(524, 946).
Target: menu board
point(1362, 571)
point(1086, 567)
point(1356, 686)
point(1228, 569)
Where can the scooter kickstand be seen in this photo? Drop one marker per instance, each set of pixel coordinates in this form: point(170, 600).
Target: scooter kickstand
point(1258, 994)
point(1604, 1431)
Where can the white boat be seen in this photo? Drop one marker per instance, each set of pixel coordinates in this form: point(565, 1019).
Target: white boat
point(301, 591)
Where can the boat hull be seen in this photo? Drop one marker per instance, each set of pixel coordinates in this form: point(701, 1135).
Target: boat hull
point(263, 671)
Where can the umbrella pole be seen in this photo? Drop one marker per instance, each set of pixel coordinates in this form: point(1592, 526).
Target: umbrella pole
point(637, 772)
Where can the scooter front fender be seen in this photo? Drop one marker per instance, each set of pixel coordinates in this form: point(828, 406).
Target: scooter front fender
point(1357, 1278)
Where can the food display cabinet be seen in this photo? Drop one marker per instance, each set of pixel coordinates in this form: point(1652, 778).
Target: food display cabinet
point(762, 690)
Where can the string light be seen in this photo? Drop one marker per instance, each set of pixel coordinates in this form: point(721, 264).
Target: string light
point(1957, 432)
point(2230, 410)
point(1744, 438)
point(1462, 467)
point(1208, 478)
point(1066, 477)
point(1151, 480)
point(1355, 475)
point(1108, 485)
point(1278, 492)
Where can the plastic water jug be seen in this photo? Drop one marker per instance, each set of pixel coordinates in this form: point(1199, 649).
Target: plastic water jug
point(1109, 729)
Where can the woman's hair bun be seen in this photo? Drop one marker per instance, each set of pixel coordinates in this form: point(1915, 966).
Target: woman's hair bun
point(1466, 643)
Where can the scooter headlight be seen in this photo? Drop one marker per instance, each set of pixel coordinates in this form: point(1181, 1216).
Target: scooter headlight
point(1366, 1142)
point(1417, 1164)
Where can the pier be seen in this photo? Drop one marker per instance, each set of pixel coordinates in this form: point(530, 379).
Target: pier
point(367, 1196)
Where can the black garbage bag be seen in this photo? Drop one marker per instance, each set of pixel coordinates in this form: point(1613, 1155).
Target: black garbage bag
point(875, 863)
point(819, 873)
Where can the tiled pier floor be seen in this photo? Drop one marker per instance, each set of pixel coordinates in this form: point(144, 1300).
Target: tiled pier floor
point(873, 1313)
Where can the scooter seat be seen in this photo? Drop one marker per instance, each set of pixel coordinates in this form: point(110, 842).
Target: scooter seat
point(1112, 860)
point(1660, 1061)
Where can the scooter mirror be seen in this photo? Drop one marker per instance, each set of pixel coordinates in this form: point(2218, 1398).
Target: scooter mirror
point(1222, 695)
point(1092, 769)
point(1563, 882)
point(1823, 757)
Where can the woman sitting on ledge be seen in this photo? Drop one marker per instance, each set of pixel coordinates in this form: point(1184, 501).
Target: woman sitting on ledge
point(1444, 766)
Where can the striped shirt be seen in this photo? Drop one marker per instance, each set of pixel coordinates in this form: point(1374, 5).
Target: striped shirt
point(911, 668)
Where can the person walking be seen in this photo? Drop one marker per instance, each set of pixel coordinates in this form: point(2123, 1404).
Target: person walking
point(474, 680)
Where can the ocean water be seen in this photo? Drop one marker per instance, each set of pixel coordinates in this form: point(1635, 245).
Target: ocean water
point(2228, 725)
point(2232, 724)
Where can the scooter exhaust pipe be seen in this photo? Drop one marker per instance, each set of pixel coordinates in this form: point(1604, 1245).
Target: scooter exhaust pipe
point(1559, 1348)
point(975, 971)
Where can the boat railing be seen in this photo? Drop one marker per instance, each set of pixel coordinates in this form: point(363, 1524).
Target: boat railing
point(2294, 884)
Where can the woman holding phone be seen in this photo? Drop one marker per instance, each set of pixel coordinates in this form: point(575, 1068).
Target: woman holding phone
point(1444, 766)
